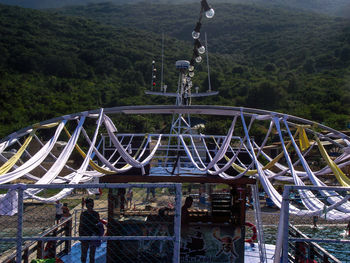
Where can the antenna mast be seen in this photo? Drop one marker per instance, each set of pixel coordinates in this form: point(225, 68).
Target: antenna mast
point(161, 74)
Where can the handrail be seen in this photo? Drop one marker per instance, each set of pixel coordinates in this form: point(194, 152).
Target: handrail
point(28, 248)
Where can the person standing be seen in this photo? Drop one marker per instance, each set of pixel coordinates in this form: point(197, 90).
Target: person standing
point(129, 196)
point(88, 226)
point(152, 191)
point(314, 221)
point(185, 214)
point(59, 212)
point(66, 214)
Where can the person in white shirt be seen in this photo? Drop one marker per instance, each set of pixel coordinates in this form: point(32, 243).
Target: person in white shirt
point(59, 211)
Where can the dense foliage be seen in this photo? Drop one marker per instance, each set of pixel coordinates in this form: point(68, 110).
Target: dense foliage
point(54, 63)
point(332, 7)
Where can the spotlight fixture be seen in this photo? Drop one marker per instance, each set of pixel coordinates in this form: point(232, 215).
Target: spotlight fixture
point(191, 67)
point(199, 46)
point(199, 59)
point(196, 31)
point(191, 74)
point(209, 12)
point(196, 55)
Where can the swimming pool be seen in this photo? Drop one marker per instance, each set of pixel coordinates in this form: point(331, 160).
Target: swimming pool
point(74, 255)
point(340, 250)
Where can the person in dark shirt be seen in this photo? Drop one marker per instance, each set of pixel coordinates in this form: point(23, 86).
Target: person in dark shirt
point(184, 210)
point(88, 227)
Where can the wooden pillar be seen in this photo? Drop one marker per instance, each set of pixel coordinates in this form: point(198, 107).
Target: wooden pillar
point(242, 190)
point(325, 258)
point(40, 250)
point(68, 233)
point(26, 255)
point(110, 215)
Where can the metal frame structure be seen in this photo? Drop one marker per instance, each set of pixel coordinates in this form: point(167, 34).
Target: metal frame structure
point(191, 109)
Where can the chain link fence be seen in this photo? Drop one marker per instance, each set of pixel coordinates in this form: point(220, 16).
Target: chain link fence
point(117, 223)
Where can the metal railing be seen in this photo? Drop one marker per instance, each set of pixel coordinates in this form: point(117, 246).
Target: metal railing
point(296, 246)
point(65, 234)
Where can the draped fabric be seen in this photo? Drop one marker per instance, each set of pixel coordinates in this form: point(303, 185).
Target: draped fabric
point(76, 178)
point(123, 152)
point(8, 201)
point(313, 207)
point(303, 140)
point(12, 161)
point(220, 155)
point(33, 162)
point(341, 177)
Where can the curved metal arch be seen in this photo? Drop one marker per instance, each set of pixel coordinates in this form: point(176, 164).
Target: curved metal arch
point(193, 109)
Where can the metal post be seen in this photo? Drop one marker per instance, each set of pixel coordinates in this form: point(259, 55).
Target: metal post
point(19, 223)
point(161, 75)
point(258, 222)
point(285, 223)
point(207, 54)
point(104, 145)
point(177, 223)
point(75, 223)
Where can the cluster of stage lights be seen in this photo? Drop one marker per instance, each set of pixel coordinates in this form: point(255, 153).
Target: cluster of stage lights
point(198, 48)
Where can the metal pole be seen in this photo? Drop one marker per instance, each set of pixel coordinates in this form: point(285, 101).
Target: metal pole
point(19, 224)
point(285, 223)
point(258, 222)
point(207, 54)
point(161, 75)
point(177, 223)
point(75, 222)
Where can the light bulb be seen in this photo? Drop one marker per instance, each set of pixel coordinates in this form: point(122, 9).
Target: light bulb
point(210, 13)
point(199, 46)
point(201, 50)
point(196, 31)
point(191, 74)
point(199, 59)
point(195, 34)
point(191, 68)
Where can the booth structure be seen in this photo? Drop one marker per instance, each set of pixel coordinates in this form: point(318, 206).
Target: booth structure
point(214, 230)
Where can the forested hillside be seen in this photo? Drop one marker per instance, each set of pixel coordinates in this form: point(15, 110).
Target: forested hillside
point(55, 63)
point(330, 7)
point(247, 33)
point(52, 65)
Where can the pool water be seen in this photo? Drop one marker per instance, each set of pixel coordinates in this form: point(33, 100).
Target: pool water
point(74, 256)
point(340, 250)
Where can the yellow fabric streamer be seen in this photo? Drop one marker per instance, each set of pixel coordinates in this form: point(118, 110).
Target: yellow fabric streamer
point(12, 161)
point(45, 126)
point(91, 163)
point(341, 177)
point(303, 140)
point(94, 165)
point(266, 167)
